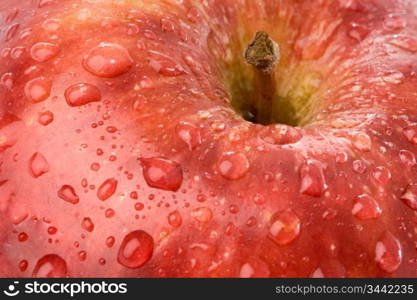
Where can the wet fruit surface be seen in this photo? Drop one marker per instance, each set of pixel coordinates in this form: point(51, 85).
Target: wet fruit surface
point(125, 148)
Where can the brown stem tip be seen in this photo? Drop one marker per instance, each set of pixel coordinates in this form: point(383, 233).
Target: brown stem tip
point(263, 53)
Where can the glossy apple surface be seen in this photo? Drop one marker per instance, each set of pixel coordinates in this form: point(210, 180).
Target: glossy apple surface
point(123, 151)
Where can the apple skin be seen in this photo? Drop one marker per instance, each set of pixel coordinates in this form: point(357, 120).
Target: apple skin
point(121, 154)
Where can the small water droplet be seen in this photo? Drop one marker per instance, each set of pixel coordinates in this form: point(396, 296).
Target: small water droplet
point(202, 214)
point(108, 60)
point(7, 80)
point(67, 193)
point(279, 134)
point(409, 197)
point(45, 118)
point(38, 89)
point(23, 265)
point(313, 182)
point(87, 224)
point(189, 134)
point(381, 175)
point(107, 189)
point(388, 253)
point(82, 255)
point(366, 208)
point(233, 165)
point(359, 166)
point(52, 230)
point(136, 249)
point(22, 237)
point(175, 219)
point(42, 52)
point(407, 157)
point(162, 173)
point(167, 25)
point(109, 213)
point(410, 133)
point(81, 94)
point(50, 266)
point(38, 165)
point(362, 142)
point(254, 268)
point(285, 227)
point(110, 241)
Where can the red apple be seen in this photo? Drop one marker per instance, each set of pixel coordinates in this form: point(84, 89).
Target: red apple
point(123, 150)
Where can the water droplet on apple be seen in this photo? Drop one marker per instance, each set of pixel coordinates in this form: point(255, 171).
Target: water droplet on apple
point(362, 142)
point(359, 166)
point(409, 197)
point(357, 31)
point(254, 268)
point(38, 165)
point(45, 118)
point(313, 182)
point(280, 134)
point(108, 60)
point(175, 219)
point(7, 80)
point(164, 65)
point(285, 227)
point(233, 165)
point(407, 157)
point(52, 230)
point(162, 173)
point(202, 214)
point(23, 265)
point(67, 193)
point(87, 224)
point(366, 208)
point(42, 52)
point(22, 237)
point(167, 25)
point(50, 266)
point(410, 133)
point(82, 255)
point(110, 241)
point(381, 175)
point(51, 24)
point(404, 42)
point(136, 249)
point(388, 253)
point(38, 89)
point(81, 94)
point(107, 189)
point(189, 134)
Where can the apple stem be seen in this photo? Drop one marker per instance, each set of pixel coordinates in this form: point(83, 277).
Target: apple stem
point(263, 54)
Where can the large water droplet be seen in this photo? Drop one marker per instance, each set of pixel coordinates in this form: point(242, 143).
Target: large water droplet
point(38, 165)
point(50, 266)
point(107, 189)
point(388, 253)
point(81, 94)
point(407, 157)
point(108, 60)
point(381, 175)
point(359, 166)
point(42, 52)
point(279, 134)
point(409, 197)
point(38, 89)
point(67, 193)
point(313, 182)
point(362, 142)
point(189, 134)
point(165, 65)
point(233, 165)
point(136, 249)
point(162, 173)
point(366, 208)
point(285, 227)
point(410, 133)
